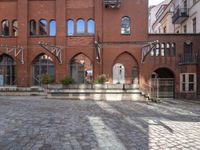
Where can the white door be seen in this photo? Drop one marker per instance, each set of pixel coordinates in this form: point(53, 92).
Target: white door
point(118, 74)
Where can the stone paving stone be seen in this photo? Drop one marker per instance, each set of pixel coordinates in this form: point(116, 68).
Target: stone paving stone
point(35, 123)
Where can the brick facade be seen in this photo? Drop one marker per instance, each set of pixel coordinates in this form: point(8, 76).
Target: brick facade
point(116, 47)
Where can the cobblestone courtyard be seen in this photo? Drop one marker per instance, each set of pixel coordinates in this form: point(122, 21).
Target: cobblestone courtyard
point(34, 123)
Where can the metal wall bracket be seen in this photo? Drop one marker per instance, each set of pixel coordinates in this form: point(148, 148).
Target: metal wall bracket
point(53, 49)
point(147, 49)
point(14, 51)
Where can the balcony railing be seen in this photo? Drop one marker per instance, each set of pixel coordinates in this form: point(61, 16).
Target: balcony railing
point(112, 3)
point(188, 59)
point(180, 15)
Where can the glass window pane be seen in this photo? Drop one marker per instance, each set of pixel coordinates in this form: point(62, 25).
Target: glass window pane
point(125, 25)
point(43, 27)
point(183, 78)
point(91, 26)
point(70, 27)
point(191, 87)
point(80, 26)
point(5, 28)
point(191, 78)
point(53, 28)
point(32, 27)
point(183, 87)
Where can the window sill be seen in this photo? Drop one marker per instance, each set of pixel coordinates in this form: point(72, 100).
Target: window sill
point(125, 34)
point(8, 36)
point(81, 35)
point(41, 36)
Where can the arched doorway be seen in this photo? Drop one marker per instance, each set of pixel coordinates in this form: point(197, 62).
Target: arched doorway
point(81, 69)
point(163, 80)
point(125, 69)
point(7, 70)
point(118, 74)
point(42, 64)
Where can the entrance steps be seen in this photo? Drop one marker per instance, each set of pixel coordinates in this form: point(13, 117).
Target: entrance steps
point(106, 92)
point(21, 91)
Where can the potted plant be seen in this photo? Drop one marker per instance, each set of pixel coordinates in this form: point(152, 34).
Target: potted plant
point(46, 79)
point(68, 82)
point(100, 82)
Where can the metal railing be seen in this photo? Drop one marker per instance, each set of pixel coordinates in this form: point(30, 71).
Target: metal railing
point(188, 59)
point(112, 3)
point(149, 91)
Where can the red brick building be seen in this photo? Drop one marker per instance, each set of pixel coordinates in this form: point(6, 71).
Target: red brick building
point(86, 38)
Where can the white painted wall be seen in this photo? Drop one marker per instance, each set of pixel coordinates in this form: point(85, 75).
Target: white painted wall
point(194, 12)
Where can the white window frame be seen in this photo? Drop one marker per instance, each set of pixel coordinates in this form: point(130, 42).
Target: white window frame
point(187, 82)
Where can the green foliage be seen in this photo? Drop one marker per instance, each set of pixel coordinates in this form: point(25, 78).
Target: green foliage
point(46, 79)
point(68, 81)
point(101, 79)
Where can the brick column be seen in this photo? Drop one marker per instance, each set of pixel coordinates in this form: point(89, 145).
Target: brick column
point(22, 70)
point(61, 37)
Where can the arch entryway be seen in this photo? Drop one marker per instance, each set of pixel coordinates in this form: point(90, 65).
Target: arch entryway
point(81, 69)
point(42, 64)
point(163, 81)
point(118, 74)
point(125, 69)
point(7, 70)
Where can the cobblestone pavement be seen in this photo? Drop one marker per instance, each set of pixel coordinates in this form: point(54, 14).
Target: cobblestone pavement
point(34, 123)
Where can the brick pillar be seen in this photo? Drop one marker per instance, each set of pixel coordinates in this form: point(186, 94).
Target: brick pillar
point(61, 38)
point(22, 70)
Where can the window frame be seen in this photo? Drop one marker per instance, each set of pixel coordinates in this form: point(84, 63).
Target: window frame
point(129, 33)
point(51, 22)
point(78, 28)
point(187, 83)
point(73, 27)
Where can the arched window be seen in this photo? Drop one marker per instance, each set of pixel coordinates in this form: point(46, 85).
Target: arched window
point(42, 65)
point(70, 27)
point(5, 28)
point(173, 49)
point(167, 49)
point(42, 27)
point(32, 27)
point(162, 49)
point(90, 26)
point(80, 26)
point(125, 25)
point(52, 28)
point(7, 70)
point(157, 49)
point(15, 28)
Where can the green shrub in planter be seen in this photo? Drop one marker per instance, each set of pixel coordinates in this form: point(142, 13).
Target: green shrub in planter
point(101, 79)
point(46, 79)
point(68, 81)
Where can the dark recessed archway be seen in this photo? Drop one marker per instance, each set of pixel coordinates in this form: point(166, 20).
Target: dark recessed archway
point(164, 73)
point(162, 81)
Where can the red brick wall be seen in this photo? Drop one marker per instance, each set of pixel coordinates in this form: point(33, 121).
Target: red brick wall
point(107, 29)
